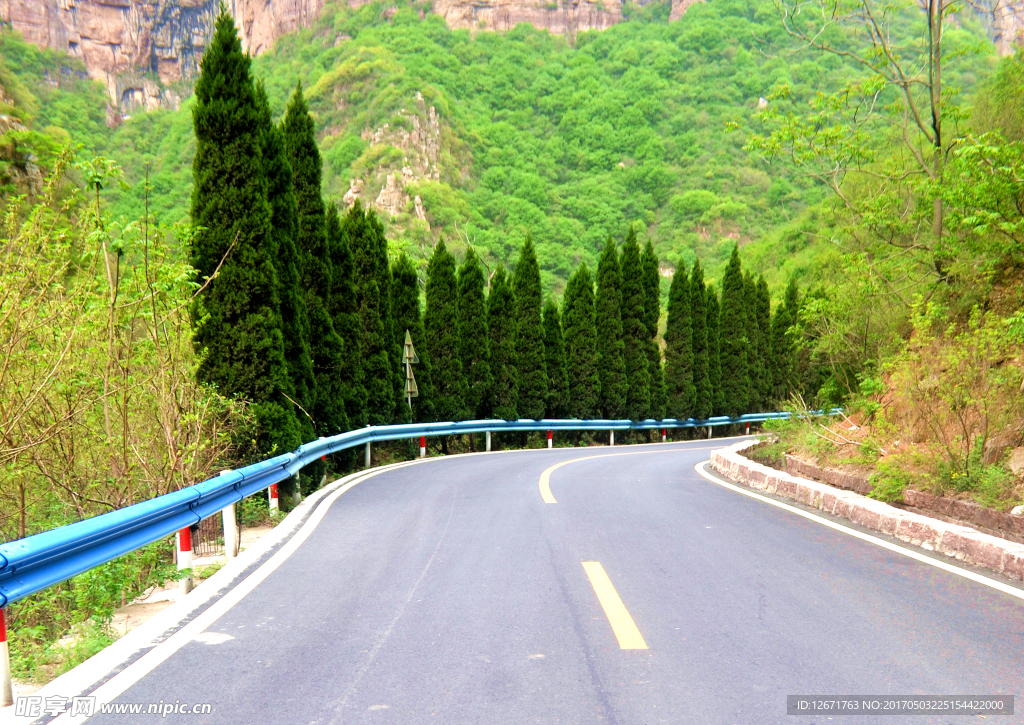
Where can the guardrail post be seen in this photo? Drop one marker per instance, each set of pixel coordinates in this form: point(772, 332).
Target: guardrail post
point(272, 493)
point(709, 432)
point(6, 693)
point(185, 557)
point(423, 446)
point(611, 438)
point(230, 531)
point(488, 441)
point(748, 428)
point(367, 454)
point(550, 443)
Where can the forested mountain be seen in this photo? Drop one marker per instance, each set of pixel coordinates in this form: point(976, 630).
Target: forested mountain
point(498, 135)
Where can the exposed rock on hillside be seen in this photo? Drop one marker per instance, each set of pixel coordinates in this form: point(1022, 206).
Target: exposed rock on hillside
point(564, 17)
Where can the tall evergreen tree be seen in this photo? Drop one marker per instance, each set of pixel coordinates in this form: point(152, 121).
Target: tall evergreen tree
point(634, 332)
point(474, 352)
point(783, 355)
point(237, 318)
point(703, 393)
point(326, 347)
point(372, 276)
point(714, 328)
point(554, 361)
point(581, 345)
point(679, 388)
point(441, 344)
point(763, 315)
point(344, 312)
point(734, 340)
point(501, 334)
point(755, 360)
point(408, 316)
point(611, 365)
point(294, 319)
point(652, 313)
point(533, 378)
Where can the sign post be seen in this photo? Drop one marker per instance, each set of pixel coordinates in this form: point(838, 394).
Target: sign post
point(408, 358)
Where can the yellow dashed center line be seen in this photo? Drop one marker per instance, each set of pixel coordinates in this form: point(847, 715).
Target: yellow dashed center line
point(622, 624)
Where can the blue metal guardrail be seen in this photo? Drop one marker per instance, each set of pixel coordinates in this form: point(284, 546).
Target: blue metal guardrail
point(36, 562)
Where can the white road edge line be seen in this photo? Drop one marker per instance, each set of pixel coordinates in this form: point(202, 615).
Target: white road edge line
point(910, 553)
point(119, 683)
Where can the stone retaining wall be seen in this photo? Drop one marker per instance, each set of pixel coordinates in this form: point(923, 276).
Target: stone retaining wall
point(955, 540)
point(989, 521)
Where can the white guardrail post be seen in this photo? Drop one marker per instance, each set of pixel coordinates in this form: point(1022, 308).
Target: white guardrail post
point(488, 441)
point(367, 454)
point(611, 438)
point(185, 558)
point(6, 692)
point(231, 537)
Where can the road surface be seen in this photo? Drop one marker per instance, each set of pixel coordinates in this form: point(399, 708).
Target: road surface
point(449, 592)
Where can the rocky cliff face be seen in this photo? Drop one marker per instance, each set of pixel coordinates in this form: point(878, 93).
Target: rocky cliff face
point(140, 48)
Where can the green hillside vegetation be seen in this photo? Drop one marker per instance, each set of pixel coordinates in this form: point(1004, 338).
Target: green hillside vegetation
point(569, 144)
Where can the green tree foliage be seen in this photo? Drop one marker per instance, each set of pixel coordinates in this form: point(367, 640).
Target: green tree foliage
point(501, 334)
point(755, 360)
point(714, 328)
point(634, 332)
point(679, 362)
point(372, 276)
point(344, 310)
point(581, 345)
point(554, 362)
point(783, 355)
point(763, 316)
point(294, 319)
point(703, 394)
point(474, 352)
point(611, 365)
point(652, 313)
point(733, 332)
point(441, 344)
point(533, 378)
point(409, 317)
point(326, 346)
point(238, 315)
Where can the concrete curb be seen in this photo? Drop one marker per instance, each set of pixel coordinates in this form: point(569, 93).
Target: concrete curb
point(960, 542)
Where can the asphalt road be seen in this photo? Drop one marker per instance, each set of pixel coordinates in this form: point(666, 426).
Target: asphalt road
point(449, 592)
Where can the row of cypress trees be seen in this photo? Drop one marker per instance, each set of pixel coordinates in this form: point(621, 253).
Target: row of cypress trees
point(299, 312)
point(502, 354)
point(303, 315)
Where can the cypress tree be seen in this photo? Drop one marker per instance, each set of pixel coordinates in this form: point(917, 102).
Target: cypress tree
point(473, 348)
point(783, 355)
point(408, 316)
point(714, 328)
point(294, 319)
point(326, 347)
point(734, 341)
point(763, 315)
point(441, 345)
point(237, 317)
point(581, 345)
point(652, 313)
point(679, 387)
point(703, 393)
point(634, 332)
point(501, 334)
point(554, 361)
point(755, 361)
point(345, 318)
point(372, 276)
point(611, 365)
point(533, 378)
